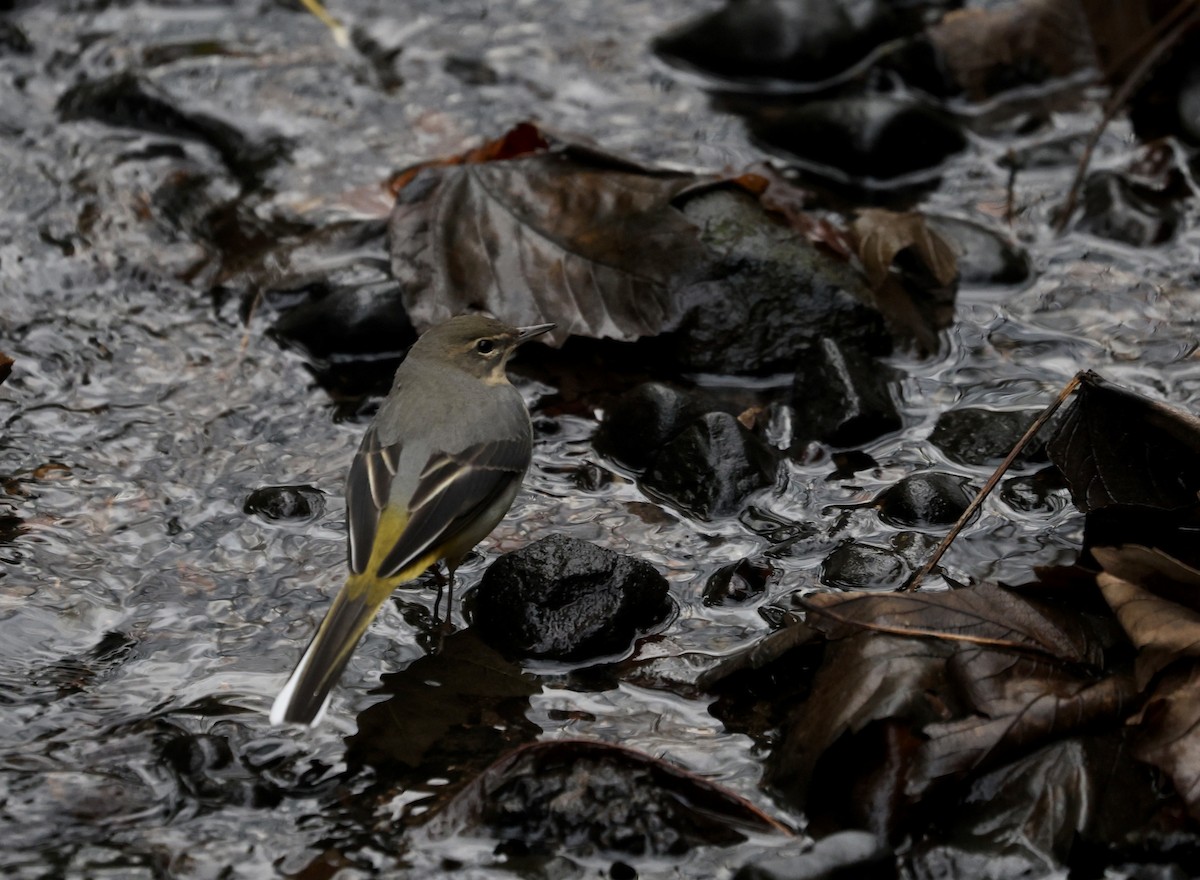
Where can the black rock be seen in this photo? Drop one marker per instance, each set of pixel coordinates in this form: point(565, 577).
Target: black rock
point(842, 397)
point(641, 421)
point(295, 503)
point(928, 499)
point(985, 257)
point(1129, 212)
point(977, 436)
point(739, 582)
point(853, 566)
point(805, 41)
point(567, 599)
point(863, 141)
point(774, 293)
point(129, 100)
point(362, 321)
point(710, 467)
point(846, 855)
point(1044, 492)
point(211, 773)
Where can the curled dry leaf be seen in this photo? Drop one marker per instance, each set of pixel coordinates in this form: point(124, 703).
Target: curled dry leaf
point(911, 269)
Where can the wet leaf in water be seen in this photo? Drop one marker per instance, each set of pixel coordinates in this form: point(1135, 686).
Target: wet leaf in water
point(1117, 447)
point(912, 271)
point(591, 797)
point(5, 367)
point(566, 234)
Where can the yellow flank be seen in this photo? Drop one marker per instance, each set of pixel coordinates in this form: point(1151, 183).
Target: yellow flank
point(387, 534)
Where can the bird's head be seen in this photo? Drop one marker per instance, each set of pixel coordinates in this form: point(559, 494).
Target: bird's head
point(477, 344)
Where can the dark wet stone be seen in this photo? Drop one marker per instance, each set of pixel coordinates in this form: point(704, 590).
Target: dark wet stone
point(382, 51)
point(854, 566)
point(641, 421)
point(774, 528)
point(977, 436)
point(354, 321)
point(1043, 492)
point(860, 140)
point(212, 774)
point(851, 462)
point(472, 71)
point(799, 40)
point(295, 503)
point(842, 397)
point(739, 582)
point(1123, 210)
point(985, 256)
point(128, 100)
point(846, 855)
point(929, 499)
point(710, 467)
point(567, 599)
point(775, 293)
point(13, 40)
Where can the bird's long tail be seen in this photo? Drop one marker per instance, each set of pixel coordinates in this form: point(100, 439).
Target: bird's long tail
point(305, 696)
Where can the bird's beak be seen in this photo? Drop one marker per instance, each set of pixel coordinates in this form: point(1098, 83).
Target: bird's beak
point(524, 334)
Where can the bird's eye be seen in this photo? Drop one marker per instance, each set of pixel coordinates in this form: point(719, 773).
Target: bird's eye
point(485, 346)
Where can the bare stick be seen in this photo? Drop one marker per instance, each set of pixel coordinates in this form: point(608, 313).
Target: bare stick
point(913, 582)
point(1121, 96)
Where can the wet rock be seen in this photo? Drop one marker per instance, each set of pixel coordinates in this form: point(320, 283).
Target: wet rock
point(863, 141)
point(929, 499)
point(588, 798)
point(846, 855)
point(710, 467)
point(855, 566)
point(774, 528)
point(363, 321)
point(739, 582)
point(641, 421)
point(1119, 209)
point(294, 503)
point(567, 599)
point(799, 40)
point(128, 100)
point(1044, 492)
point(212, 774)
point(842, 397)
point(977, 436)
point(985, 257)
point(13, 40)
point(776, 292)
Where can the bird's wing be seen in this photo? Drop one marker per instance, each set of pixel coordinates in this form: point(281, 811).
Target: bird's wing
point(452, 489)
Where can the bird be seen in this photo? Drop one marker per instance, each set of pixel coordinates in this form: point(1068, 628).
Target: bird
point(436, 471)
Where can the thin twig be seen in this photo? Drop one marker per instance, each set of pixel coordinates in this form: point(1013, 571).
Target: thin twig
point(1121, 96)
point(340, 36)
point(915, 581)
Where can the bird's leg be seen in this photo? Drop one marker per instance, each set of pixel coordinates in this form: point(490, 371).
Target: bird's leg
point(441, 584)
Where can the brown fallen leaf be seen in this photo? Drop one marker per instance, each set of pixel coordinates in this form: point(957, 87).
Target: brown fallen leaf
point(911, 269)
point(1169, 732)
point(5, 367)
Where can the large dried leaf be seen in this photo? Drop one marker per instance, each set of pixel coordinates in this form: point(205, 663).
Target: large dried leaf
point(864, 677)
point(1155, 599)
point(1117, 447)
point(567, 234)
point(1169, 734)
point(1021, 703)
point(986, 615)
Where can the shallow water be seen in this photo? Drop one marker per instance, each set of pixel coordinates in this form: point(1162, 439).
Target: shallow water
point(147, 620)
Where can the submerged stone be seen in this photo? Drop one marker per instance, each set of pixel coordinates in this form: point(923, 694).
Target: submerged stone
point(641, 421)
point(294, 503)
point(977, 436)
